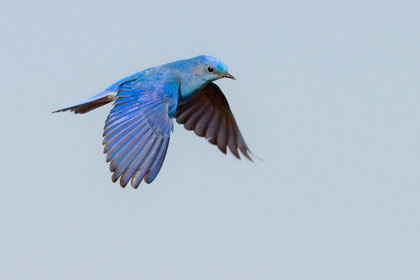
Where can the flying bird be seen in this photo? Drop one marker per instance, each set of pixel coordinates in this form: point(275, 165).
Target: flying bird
point(137, 130)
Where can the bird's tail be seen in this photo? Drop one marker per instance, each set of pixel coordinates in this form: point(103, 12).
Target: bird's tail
point(92, 103)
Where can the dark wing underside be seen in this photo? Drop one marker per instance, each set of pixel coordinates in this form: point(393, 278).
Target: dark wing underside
point(209, 115)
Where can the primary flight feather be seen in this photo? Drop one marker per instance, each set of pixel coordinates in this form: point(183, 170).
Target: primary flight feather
point(138, 128)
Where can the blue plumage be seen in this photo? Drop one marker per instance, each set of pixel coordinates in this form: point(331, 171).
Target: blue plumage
point(138, 128)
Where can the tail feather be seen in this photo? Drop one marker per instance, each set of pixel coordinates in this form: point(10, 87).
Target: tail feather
point(104, 97)
point(89, 105)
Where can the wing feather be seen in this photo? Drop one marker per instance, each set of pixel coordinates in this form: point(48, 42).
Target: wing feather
point(137, 131)
point(157, 163)
point(209, 115)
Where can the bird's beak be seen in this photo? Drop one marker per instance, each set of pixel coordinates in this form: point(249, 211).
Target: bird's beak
point(230, 76)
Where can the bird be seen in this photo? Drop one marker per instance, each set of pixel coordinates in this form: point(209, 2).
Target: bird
point(138, 128)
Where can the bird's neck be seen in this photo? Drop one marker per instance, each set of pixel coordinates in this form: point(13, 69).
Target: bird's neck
point(190, 81)
point(189, 90)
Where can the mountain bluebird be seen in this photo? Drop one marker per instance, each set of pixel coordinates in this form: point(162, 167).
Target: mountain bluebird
point(137, 130)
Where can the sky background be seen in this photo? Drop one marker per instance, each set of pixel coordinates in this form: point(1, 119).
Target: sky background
point(328, 94)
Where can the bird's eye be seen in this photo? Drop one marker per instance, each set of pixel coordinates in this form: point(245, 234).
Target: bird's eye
point(210, 69)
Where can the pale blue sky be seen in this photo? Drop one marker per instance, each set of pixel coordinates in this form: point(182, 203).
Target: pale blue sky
point(328, 94)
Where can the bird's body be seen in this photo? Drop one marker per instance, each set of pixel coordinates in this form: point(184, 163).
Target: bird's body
point(137, 130)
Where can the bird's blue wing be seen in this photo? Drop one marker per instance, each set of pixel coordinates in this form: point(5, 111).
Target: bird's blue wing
point(137, 131)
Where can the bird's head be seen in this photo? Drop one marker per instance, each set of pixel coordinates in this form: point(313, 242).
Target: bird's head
point(210, 68)
point(198, 71)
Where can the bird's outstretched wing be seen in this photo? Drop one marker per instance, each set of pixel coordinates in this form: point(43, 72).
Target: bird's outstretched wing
point(209, 115)
point(137, 131)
